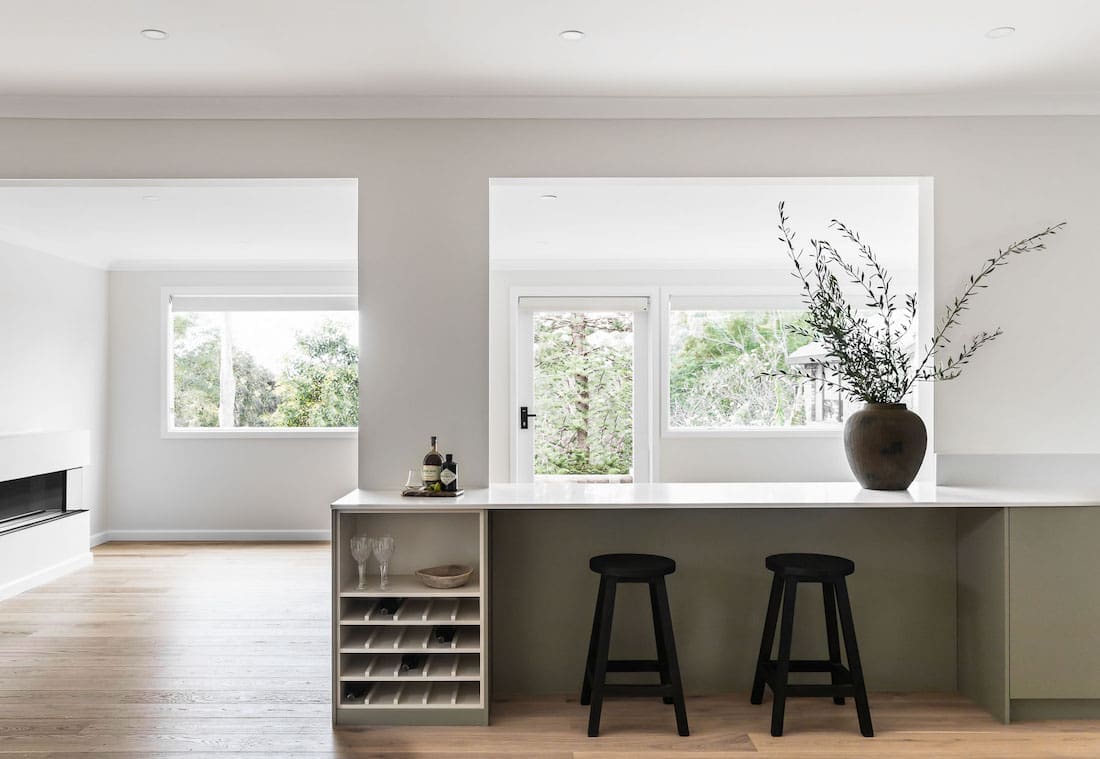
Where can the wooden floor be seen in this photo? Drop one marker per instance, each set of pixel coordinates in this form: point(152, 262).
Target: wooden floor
point(215, 650)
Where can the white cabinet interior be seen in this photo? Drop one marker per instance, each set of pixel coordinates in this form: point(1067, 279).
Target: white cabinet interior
point(410, 654)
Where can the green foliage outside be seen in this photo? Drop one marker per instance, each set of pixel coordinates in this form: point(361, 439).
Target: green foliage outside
point(197, 362)
point(319, 386)
point(718, 366)
point(584, 393)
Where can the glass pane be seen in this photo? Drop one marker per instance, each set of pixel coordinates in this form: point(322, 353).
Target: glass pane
point(196, 363)
point(295, 368)
point(584, 394)
point(716, 359)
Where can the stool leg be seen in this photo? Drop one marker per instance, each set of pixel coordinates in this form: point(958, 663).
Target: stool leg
point(783, 662)
point(603, 648)
point(590, 660)
point(766, 641)
point(659, 638)
point(661, 596)
point(828, 594)
point(863, 709)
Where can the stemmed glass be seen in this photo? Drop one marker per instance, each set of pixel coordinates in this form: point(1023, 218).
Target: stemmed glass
point(361, 549)
point(383, 551)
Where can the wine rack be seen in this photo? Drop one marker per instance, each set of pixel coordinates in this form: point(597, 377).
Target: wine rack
point(410, 654)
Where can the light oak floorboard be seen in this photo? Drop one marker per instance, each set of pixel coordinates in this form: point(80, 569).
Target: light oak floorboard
point(210, 650)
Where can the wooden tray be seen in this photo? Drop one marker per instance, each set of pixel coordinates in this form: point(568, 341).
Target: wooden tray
point(418, 493)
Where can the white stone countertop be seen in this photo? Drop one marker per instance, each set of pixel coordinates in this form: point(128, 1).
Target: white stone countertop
point(715, 495)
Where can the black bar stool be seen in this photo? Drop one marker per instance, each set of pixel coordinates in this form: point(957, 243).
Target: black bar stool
point(632, 567)
point(830, 571)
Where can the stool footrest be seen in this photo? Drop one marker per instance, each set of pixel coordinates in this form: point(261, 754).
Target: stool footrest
point(633, 665)
point(844, 685)
point(809, 665)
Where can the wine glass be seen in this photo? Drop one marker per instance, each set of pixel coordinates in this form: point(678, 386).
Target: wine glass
point(383, 551)
point(361, 549)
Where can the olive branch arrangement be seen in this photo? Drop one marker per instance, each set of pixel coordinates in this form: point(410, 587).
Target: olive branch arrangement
point(867, 349)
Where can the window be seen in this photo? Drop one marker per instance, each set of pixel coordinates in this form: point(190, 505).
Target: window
point(724, 369)
point(262, 362)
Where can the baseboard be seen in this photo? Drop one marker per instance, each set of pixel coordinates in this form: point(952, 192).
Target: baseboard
point(1042, 709)
point(44, 575)
point(98, 538)
point(213, 536)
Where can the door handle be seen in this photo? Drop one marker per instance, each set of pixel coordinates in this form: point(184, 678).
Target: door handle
point(524, 415)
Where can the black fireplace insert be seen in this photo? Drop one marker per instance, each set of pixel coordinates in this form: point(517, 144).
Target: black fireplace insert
point(26, 497)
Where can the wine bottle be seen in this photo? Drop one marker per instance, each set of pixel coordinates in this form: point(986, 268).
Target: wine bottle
point(429, 472)
point(409, 662)
point(448, 474)
point(444, 633)
point(387, 607)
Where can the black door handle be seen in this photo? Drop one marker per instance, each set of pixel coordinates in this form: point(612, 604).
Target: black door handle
point(524, 415)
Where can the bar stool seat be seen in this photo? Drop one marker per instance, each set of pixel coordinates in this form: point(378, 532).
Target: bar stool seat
point(632, 566)
point(614, 568)
point(790, 569)
point(810, 565)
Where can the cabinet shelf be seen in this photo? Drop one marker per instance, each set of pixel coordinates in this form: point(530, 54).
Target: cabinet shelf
point(373, 630)
point(413, 695)
point(433, 668)
point(407, 640)
point(413, 611)
point(410, 586)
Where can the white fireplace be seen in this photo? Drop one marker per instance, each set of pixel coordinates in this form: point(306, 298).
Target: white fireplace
point(44, 527)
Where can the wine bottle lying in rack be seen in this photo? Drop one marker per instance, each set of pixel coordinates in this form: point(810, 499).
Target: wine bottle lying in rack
point(410, 662)
point(444, 633)
point(387, 607)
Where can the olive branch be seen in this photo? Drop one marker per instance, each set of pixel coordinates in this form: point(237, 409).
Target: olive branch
point(865, 346)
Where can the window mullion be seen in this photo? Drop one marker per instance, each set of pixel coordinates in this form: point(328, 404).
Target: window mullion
point(227, 383)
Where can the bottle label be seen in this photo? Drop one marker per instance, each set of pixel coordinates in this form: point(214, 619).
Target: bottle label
point(429, 473)
point(446, 476)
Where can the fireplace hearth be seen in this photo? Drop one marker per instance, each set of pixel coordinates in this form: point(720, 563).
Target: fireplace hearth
point(29, 500)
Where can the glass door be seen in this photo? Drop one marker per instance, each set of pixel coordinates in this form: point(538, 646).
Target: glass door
point(582, 390)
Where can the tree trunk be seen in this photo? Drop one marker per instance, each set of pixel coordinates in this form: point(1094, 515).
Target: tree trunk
point(578, 344)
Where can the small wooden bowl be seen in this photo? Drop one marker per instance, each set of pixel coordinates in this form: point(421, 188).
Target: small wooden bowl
point(445, 576)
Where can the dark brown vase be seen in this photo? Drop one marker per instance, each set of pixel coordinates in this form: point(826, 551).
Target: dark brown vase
point(885, 444)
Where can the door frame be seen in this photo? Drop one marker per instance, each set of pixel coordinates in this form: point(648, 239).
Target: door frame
point(646, 353)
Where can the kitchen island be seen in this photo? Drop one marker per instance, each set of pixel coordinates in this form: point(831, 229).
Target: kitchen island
point(983, 591)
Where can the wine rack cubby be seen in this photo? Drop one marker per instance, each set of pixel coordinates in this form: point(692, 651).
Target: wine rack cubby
point(410, 654)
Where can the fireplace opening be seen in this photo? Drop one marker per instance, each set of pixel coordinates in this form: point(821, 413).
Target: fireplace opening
point(28, 497)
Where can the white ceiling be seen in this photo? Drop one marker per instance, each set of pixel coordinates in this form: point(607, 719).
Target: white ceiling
point(177, 224)
point(64, 54)
point(624, 224)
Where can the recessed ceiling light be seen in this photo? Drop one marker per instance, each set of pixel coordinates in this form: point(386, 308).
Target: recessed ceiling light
point(548, 196)
point(151, 198)
point(572, 35)
point(1000, 32)
point(154, 34)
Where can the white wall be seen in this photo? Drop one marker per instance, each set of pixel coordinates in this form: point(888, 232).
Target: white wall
point(206, 487)
point(423, 242)
point(53, 355)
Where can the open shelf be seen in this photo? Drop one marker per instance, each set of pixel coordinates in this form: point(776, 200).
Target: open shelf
point(413, 611)
point(412, 640)
point(410, 695)
point(410, 586)
point(374, 631)
point(433, 667)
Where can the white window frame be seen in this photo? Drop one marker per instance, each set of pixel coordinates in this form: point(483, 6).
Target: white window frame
point(167, 375)
point(731, 299)
point(647, 456)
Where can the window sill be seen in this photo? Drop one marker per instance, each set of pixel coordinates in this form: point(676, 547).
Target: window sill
point(832, 431)
point(270, 433)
